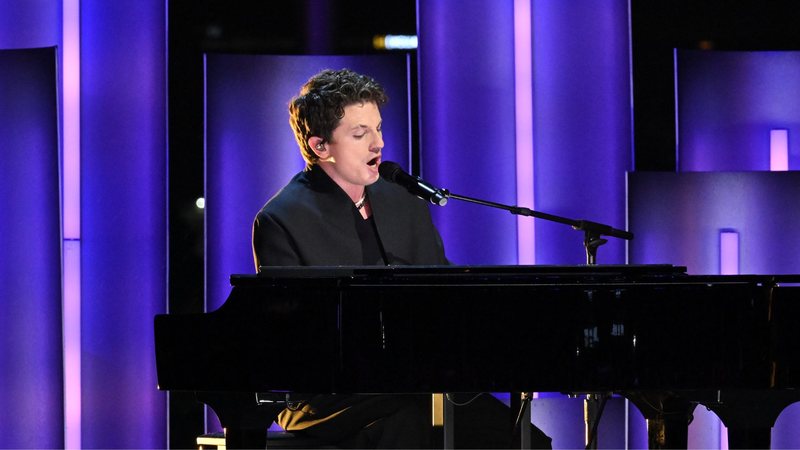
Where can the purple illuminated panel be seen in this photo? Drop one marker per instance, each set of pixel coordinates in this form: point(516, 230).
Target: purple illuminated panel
point(727, 103)
point(30, 24)
point(728, 252)
point(523, 88)
point(706, 430)
point(677, 219)
point(31, 389)
point(71, 107)
point(72, 344)
point(123, 220)
point(251, 151)
point(785, 433)
point(467, 116)
point(582, 123)
point(778, 150)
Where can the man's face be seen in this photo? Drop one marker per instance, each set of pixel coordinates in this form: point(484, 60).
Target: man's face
point(352, 156)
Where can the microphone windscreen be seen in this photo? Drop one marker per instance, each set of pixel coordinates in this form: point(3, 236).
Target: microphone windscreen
point(390, 170)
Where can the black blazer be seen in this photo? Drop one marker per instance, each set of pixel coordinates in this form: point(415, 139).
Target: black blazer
point(311, 222)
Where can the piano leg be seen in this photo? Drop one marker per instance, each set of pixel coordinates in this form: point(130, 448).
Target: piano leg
point(442, 415)
point(749, 414)
point(663, 433)
point(520, 408)
point(236, 438)
point(593, 405)
point(667, 418)
point(245, 420)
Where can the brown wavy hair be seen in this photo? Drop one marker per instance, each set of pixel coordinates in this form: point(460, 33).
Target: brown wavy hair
point(319, 107)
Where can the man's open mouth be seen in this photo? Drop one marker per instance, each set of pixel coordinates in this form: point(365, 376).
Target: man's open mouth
point(373, 161)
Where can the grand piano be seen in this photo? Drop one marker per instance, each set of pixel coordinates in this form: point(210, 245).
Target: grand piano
point(663, 338)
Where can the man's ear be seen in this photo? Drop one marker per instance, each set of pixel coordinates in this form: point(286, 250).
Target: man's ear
point(317, 145)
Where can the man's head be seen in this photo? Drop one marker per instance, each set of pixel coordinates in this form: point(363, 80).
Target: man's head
point(319, 107)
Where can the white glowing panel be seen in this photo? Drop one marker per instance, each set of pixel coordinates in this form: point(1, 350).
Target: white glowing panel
point(728, 252)
point(778, 150)
point(523, 111)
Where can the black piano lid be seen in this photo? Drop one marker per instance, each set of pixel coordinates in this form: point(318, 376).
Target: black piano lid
point(475, 272)
point(585, 272)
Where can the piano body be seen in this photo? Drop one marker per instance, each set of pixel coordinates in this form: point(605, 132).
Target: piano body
point(662, 338)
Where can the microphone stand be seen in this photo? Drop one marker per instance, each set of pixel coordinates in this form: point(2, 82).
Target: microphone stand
point(592, 231)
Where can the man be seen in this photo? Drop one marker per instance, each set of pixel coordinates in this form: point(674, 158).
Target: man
point(314, 220)
point(338, 211)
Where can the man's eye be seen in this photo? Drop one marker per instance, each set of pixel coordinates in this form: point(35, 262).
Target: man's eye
point(359, 136)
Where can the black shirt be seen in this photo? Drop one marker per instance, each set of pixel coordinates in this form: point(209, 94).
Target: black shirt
point(371, 252)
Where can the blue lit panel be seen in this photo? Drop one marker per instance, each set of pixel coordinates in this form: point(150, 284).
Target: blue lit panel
point(582, 125)
point(123, 220)
point(785, 433)
point(29, 24)
point(250, 149)
point(728, 102)
point(467, 116)
point(677, 219)
point(31, 392)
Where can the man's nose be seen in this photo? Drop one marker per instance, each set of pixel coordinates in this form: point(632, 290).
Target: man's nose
point(378, 144)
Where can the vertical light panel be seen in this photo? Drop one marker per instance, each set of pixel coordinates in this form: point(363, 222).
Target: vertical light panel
point(778, 150)
point(123, 220)
point(31, 370)
point(71, 195)
point(71, 88)
point(675, 71)
point(728, 252)
point(467, 123)
point(523, 112)
point(582, 123)
point(72, 343)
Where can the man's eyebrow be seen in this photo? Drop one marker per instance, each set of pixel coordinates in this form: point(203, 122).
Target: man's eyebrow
point(361, 127)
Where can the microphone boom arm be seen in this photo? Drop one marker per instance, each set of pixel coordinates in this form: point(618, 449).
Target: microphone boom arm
point(592, 231)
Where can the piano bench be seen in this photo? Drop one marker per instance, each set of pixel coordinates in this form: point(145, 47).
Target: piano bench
point(211, 441)
point(275, 439)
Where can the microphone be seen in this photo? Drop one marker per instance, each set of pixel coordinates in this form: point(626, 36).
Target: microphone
point(391, 171)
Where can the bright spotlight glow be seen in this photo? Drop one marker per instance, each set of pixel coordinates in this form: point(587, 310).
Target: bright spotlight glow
point(394, 42)
point(200, 203)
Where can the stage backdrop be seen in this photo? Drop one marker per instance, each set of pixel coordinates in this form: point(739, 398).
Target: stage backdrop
point(728, 104)
point(95, 386)
point(31, 367)
point(250, 149)
point(678, 217)
point(732, 205)
point(578, 71)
